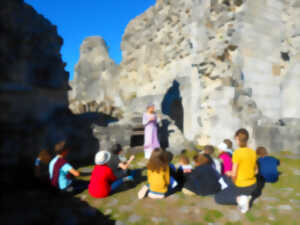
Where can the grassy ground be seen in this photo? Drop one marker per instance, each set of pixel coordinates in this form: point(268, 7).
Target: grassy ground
point(278, 205)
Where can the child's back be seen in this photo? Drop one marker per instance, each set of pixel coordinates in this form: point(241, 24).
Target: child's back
point(268, 168)
point(203, 180)
point(159, 180)
point(225, 155)
point(245, 158)
point(226, 162)
point(59, 173)
point(208, 153)
point(267, 165)
point(101, 178)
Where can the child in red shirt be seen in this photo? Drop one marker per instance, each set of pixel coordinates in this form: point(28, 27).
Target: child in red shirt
point(103, 181)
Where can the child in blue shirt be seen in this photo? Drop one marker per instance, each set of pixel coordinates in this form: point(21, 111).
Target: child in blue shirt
point(60, 171)
point(267, 165)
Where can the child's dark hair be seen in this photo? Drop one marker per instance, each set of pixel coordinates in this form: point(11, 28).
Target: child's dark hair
point(44, 156)
point(169, 155)
point(183, 158)
point(209, 149)
point(228, 143)
point(158, 160)
point(242, 135)
point(116, 149)
point(261, 151)
point(200, 159)
point(61, 147)
point(183, 151)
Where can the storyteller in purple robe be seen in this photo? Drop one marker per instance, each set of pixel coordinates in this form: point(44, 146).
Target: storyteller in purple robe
point(151, 141)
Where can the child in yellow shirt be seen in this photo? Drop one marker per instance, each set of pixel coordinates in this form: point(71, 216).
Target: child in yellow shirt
point(243, 175)
point(158, 176)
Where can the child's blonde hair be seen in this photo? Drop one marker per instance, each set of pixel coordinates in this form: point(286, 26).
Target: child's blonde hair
point(158, 160)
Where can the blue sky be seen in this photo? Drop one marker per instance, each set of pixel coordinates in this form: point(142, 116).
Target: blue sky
point(78, 19)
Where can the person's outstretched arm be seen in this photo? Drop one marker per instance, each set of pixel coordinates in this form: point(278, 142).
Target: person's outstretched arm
point(125, 165)
point(74, 172)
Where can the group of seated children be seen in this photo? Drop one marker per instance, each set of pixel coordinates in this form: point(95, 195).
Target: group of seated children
point(233, 177)
point(109, 173)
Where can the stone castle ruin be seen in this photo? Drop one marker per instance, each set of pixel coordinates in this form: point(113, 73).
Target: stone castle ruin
point(211, 66)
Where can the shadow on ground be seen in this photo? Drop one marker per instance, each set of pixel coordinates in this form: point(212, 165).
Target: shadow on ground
point(39, 204)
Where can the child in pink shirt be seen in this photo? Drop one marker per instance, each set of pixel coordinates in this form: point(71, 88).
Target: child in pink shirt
point(225, 158)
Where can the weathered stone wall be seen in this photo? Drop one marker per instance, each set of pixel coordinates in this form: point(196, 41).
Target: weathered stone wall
point(33, 81)
point(235, 64)
point(34, 94)
point(95, 73)
point(33, 114)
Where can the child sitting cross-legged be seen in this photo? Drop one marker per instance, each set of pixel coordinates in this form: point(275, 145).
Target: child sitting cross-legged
point(203, 179)
point(61, 172)
point(103, 181)
point(119, 164)
point(240, 191)
point(159, 180)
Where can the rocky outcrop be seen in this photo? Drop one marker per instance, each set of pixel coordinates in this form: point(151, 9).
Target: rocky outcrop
point(34, 96)
point(34, 115)
point(33, 82)
point(95, 72)
point(96, 80)
point(213, 67)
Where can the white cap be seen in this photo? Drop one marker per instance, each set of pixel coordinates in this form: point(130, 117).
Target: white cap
point(102, 157)
point(222, 146)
